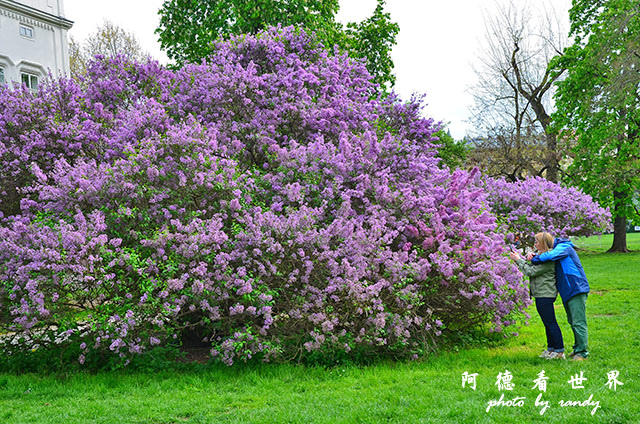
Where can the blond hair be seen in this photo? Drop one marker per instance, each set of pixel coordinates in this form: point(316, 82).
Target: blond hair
point(545, 240)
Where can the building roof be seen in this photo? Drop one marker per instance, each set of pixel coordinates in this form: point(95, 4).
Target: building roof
point(37, 14)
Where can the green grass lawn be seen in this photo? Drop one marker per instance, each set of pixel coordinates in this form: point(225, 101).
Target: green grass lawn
point(427, 391)
point(603, 243)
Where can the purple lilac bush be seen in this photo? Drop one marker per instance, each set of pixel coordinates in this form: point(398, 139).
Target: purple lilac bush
point(266, 200)
point(532, 205)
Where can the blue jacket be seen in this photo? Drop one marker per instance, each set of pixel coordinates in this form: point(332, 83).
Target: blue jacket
point(570, 276)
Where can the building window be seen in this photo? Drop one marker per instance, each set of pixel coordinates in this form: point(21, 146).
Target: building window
point(2, 80)
point(26, 31)
point(31, 81)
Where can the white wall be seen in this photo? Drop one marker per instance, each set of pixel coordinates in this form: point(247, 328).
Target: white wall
point(54, 7)
point(46, 51)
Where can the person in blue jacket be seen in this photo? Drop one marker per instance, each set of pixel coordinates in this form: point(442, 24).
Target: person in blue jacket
point(573, 288)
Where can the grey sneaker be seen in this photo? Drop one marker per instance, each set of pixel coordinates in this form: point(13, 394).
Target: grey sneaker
point(545, 354)
point(556, 355)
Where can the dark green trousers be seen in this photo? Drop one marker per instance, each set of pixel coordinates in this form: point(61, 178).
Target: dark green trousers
point(576, 309)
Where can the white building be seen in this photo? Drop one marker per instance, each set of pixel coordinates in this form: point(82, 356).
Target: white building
point(33, 40)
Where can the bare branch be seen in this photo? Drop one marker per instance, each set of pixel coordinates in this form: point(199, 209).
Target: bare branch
point(515, 84)
point(109, 40)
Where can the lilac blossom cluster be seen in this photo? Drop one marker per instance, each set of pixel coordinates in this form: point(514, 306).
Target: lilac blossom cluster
point(532, 205)
point(266, 200)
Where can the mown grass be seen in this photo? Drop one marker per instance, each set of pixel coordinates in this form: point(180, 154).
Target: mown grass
point(603, 243)
point(426, 391)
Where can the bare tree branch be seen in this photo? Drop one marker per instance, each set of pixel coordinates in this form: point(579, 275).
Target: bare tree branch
point(512, 96)
point(109, 40)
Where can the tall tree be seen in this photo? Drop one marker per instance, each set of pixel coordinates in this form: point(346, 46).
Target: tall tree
point(188, 28)
point(599, 104)
point(452, 152)
point(109, 40)
point(512, 96)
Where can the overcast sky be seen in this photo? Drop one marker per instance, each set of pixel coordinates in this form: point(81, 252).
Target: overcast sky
point(438, 43)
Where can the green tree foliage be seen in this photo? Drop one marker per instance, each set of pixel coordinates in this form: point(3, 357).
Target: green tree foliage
point(188, 28)
point(373, 39)
point(452, 152)
point(599, 104)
